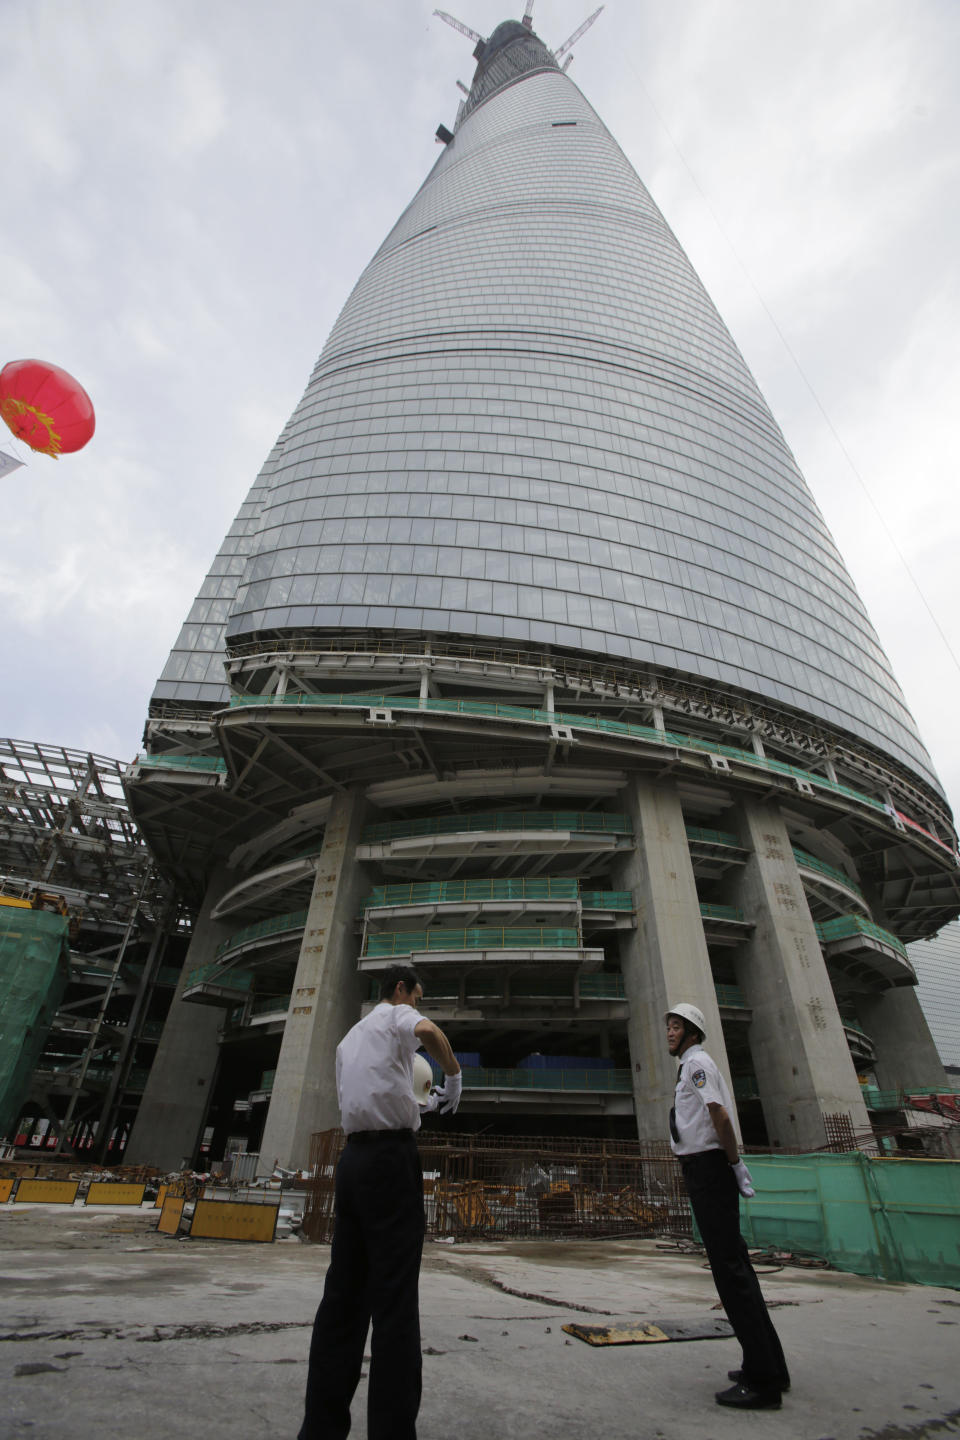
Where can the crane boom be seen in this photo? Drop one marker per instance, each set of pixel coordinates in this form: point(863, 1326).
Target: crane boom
point(459, 25)
point(568, 44)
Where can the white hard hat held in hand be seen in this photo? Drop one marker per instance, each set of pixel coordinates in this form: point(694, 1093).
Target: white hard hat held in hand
point(423, 1083)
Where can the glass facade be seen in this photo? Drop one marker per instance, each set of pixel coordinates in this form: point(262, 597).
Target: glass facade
point(530, 426)
point(937, 963)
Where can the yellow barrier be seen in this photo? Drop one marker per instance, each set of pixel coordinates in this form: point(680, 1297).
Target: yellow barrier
point(50, 1192)
point(162, 1192)
point(233, 1220)
point(114, 1192)
point(6, 1190)
point(169, 1222)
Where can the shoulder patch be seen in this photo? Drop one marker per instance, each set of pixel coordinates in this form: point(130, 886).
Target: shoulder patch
point(699, 1078)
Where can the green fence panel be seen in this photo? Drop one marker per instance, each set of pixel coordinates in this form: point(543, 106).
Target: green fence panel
point(34, 972)
point(920, 1204)
point(895, 1219)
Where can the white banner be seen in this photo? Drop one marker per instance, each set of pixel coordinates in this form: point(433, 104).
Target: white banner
point(8, 463)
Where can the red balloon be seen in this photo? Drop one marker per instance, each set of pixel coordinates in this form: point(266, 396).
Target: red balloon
point(45, 407)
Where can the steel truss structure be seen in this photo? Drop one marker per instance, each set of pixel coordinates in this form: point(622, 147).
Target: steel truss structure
point(68, 842)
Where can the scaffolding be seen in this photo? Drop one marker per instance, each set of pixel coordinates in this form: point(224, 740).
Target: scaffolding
point(69, 845)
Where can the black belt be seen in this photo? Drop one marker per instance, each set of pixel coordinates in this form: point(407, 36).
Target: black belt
point(367, 1137)
point(700, 1155)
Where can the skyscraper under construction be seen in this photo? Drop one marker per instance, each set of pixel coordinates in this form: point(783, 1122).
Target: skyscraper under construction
point(529, 658)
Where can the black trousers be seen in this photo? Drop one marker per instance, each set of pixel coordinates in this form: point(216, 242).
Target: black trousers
point(715, 1200)
point(372, 1278)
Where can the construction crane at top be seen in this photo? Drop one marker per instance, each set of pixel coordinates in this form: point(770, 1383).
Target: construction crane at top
point(459, 25)
point(577, 35)
point(528, 22)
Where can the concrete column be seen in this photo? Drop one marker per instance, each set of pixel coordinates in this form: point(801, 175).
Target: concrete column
point(326, 1000)
point(800, 1055)
point(906, 1054)
point(167, 1129)
point(665, 959)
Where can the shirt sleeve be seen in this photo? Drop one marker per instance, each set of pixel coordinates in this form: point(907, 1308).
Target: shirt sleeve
point(702, 1077)
point(406, 1020)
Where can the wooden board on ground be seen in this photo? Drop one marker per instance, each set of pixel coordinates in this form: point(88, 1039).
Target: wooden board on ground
point(617, 1334)
point(234, 1220)
point(169, 1222)
point(650, 1333)
point(48, 1192)
point(114, 1192)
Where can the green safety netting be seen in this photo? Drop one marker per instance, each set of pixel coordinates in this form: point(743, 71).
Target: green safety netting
point(895, 1218)
point(34, 968)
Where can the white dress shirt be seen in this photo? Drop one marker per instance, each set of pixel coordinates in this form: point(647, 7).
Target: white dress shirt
point(375, 1071)
point(699, 1084)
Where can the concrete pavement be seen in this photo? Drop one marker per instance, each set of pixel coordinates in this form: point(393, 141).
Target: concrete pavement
point(111, 1331)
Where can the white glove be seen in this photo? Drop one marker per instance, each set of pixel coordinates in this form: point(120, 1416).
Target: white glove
point(743, 1179)
point(431, 1102)
point(447, 1095)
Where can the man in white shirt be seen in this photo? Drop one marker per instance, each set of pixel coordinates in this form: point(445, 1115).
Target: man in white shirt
point(702, 1135)
point(379, 1221)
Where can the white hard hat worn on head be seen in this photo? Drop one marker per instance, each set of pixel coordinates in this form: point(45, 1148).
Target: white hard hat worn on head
point(688, 1012)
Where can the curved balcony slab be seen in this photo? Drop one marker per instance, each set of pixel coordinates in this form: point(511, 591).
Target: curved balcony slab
point(861, 1047)
point(566, 958)
point(503, 908)
point(266, 883)
point(865, 952)
point(495, 842)
point(824, 883)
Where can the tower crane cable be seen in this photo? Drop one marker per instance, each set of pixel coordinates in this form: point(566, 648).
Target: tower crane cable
point(799, 368)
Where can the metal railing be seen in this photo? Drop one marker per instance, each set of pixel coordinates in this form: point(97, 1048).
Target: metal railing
point(270, 1004)
point(697, 833)
point(275, 925)
point(465, 892)
point(208, 763)
point(900, 1099)
point(620, 900)
point(810, 862)
point(721, 912)
point(216, 973)
point(550, 717)
point(406, 942)
point(462, 891)
point(731, 997)
point(611, 1081)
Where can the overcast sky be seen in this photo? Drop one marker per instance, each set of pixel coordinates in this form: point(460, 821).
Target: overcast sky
point(193, 186)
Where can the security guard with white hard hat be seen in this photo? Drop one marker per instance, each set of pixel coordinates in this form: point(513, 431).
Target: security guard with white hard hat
point(703, 1137)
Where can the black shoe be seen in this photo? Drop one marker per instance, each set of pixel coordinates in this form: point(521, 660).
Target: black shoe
point(737, 1377)
point(741, 1397)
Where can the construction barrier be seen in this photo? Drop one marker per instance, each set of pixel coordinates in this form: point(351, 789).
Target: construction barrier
point(6, 1190)
point(113, 1192)
point(170, 1215)
point(47, 1192)
point(234, 1220)
point(891, 1218)
point(488, 1186)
